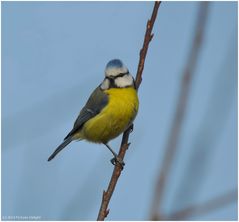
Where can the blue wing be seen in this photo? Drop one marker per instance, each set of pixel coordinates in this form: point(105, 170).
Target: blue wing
point(97, 101)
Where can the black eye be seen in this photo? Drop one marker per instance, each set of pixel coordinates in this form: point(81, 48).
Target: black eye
point(122, 74)
point(119, 75)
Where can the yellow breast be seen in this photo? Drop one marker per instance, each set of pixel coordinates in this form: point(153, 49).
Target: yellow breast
point(113, 119)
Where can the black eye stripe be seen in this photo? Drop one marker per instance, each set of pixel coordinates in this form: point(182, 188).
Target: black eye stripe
point(122, 74)
point(119, 75)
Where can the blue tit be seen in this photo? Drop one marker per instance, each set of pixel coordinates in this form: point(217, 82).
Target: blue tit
point(109, 111)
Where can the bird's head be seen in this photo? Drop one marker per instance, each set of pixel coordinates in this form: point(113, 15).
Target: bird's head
point(117, 75)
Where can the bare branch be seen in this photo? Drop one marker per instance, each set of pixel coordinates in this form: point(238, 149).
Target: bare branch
point(207, 207)
point(180, 110)
point(103, 212)
point(147, 38)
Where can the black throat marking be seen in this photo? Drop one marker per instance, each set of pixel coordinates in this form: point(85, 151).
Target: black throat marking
point(112, 79)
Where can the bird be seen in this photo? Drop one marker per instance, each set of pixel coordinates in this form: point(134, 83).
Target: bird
point(109, 111)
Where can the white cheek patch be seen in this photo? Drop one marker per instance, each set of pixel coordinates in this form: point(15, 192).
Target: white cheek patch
point(105, 84)
point(113, 71)
point(126, 80)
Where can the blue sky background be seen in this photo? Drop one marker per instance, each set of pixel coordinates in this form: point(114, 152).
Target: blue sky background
point(54, 55)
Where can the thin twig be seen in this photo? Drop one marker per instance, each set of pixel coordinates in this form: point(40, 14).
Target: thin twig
point(207, 207)
point(147, 38)
point(104, 211)
point(180, 111)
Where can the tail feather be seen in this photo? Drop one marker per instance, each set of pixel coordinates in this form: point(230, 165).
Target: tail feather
point(59, 148)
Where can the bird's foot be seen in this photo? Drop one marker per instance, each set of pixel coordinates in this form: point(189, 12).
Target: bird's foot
point(118, 160)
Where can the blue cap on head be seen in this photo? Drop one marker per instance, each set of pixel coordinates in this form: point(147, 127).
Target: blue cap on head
point(115, 67)
point(114, 63)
